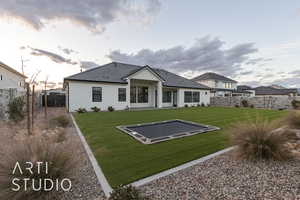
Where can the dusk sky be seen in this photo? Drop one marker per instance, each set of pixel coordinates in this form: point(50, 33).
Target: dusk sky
point(254, 42)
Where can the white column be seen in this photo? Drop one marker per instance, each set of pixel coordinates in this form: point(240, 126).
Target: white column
point(159, 94)
point(128, 93)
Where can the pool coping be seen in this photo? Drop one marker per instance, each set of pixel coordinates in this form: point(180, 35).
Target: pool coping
point(145, 140)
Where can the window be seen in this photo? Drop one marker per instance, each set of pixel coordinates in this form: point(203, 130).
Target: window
point(196, 97)
point(97, 94)
point(138, 94)
point(188, 97)
point(122, 94)
point(132, 94)
point(167, 96)
point(142, 94)
point(191, 97)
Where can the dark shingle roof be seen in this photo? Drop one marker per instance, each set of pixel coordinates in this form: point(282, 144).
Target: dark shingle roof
point(244, 87)
point(213, 76)
point(115, 72)
point(273, 91)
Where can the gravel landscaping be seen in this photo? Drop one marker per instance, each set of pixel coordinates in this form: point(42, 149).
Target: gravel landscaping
point(85, 184)
point(226, 178)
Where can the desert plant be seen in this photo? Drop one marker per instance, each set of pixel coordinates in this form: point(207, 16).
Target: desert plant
point(245, 103)
point(60, 121)
point(58, 157)
point(126, 193)
point(81, 110)
point(16, 109)
point(110, 109)
point(95, 109)
point(259, 140)
point(295, 104)
point(292, 119)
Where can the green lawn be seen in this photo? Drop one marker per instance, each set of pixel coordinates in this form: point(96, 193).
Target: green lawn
point(124, 159)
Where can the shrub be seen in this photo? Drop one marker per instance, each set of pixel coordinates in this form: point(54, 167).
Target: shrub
point(81, 110)
point(61, 165)
point(202, 105)
point(237, 105)
point(110, 109)
point(293, 120)
point(126, 193)
point(60, 121)
point(95, 109)
point(16, 109)
point(259, 140)
point(251, 106)
point(295, 104)
point(245, 103)
point(186, 106)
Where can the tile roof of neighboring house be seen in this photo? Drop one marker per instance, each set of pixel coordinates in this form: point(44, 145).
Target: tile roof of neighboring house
point(263, 90)
point(116, 72)
point(213, 76)
point(11, 70)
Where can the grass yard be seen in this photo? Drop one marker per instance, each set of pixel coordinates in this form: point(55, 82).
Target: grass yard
point(124, 160)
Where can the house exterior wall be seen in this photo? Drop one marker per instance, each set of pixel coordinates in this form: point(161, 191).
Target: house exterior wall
point(204, 97)
point(11, 80)
point(218, 84)
point(80, 96)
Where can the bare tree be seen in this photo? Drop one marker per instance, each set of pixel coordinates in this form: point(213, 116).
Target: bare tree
point(45, 97)
point(28, 109)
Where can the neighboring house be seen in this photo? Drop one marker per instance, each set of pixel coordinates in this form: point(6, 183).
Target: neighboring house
point(10, 78)
point(130, 86)
point(245, 88)
point(221, 85)
point(271, 91)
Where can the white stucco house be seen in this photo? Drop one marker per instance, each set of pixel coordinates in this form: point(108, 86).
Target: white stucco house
point(124, 86)
point(221, 86)
point(10, 78)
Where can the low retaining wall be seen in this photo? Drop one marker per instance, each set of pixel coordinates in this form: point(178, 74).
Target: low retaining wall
point(278, 102)
point(6, 95)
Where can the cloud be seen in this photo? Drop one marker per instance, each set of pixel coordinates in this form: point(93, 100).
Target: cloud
point(88, 64)
point(53, 56)
point(92, 14)
point(67, 50)
point(206, 54)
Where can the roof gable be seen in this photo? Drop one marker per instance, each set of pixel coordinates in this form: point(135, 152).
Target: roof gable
point(145, 73)
point(213, 76)
point(4, 66)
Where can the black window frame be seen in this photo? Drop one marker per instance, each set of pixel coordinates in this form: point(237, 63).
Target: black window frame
point(186, 100)
point(133, 94)
point(122, 94)
point(196, 97)
point(96, 94)
point(167, 96)
point(142, 94)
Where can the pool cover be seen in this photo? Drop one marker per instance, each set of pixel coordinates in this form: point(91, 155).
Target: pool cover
point(154, 132)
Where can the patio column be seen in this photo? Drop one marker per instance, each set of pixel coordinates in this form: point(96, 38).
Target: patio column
point(159, 94)
point(128, 93)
